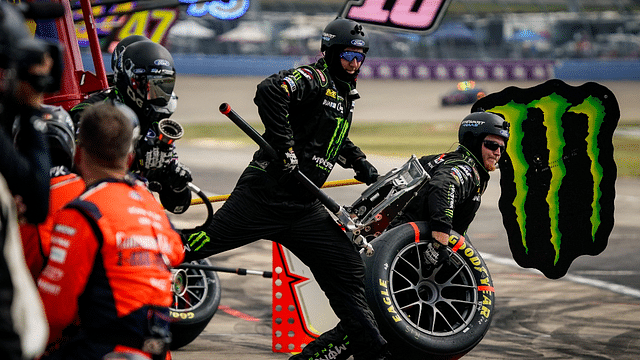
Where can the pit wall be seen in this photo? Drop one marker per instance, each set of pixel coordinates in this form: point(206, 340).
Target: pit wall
point(417, 69)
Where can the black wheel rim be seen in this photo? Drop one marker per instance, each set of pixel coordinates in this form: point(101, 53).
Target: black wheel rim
point(439, 301)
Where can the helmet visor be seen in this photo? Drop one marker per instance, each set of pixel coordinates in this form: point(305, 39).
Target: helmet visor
point(160, 88)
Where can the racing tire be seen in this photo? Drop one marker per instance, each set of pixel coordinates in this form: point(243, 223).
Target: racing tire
point(427, 312)
point(196, 296)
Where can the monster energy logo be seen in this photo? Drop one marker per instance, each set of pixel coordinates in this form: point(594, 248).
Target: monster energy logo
point(342, 127)
point(560, 154)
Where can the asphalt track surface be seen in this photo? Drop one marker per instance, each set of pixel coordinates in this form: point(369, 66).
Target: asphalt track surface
point(591, 313)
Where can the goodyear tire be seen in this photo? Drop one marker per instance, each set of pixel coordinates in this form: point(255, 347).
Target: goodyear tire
point(426, 312)
point(196, 296)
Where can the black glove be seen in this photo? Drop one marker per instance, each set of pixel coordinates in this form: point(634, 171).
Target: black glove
point(365, 172)
point(176, 176)
point(151, 155)
point(436, 253)
point(289, 160)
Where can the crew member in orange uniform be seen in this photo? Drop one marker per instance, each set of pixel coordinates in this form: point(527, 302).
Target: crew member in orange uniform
point(65, 185)
point(111, 249)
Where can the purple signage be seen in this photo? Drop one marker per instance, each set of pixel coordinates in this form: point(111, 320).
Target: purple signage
point(497, 70)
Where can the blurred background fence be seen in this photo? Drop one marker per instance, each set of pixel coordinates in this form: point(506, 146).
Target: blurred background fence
point(477, 39)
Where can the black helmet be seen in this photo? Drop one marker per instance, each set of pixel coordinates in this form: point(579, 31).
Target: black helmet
point(133, 118)
point(476, 126)
point(147, 79)
point(60, 133)
point(344, 33)
point(117, 51)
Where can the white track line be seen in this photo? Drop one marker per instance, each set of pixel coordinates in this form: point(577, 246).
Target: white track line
point(620, 289)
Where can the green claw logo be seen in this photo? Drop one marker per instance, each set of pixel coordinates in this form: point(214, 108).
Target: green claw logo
point(558, 174)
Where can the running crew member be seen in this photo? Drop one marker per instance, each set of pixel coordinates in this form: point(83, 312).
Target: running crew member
point(307, 113)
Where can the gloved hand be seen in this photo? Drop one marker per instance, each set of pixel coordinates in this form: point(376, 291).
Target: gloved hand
point(365, 172)
point(289, 159)
point(150, 155)
point(436, 253)
point(176, 176)
point(195, 241)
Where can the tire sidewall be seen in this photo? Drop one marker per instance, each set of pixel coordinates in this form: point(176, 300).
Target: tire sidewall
point(394, 327)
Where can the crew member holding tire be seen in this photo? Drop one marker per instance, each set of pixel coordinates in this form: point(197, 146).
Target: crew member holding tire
point(307, 113)
point(450, 200)
point(144, 77)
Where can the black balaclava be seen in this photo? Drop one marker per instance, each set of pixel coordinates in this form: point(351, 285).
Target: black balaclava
point(332, 57)
point(474, 145)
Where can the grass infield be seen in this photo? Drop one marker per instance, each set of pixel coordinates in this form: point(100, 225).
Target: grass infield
point(404, 139)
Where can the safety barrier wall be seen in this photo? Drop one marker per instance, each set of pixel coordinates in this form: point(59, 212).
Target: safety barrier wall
point(502, 70)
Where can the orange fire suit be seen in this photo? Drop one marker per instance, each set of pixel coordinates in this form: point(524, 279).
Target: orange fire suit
point(108, 267)
point(65, 186)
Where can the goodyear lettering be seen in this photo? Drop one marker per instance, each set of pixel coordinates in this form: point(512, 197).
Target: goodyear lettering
point(486, 300)
point(485, 311)
point(181, 315)
point(475, 260)
point(481, 270)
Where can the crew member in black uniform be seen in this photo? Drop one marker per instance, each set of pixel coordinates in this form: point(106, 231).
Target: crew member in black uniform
point(451, 198)
point(144, 78)
point(307, 113)
point(29, 68)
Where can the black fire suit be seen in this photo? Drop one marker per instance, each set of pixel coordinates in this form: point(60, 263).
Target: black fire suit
point(176, 202)
point(450, 200)
point(304, 108)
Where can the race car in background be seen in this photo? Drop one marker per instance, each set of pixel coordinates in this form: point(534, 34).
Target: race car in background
point(465, 93)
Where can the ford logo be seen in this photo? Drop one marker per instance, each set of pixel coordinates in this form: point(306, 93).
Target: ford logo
point(161, 62)
point(357, 42)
